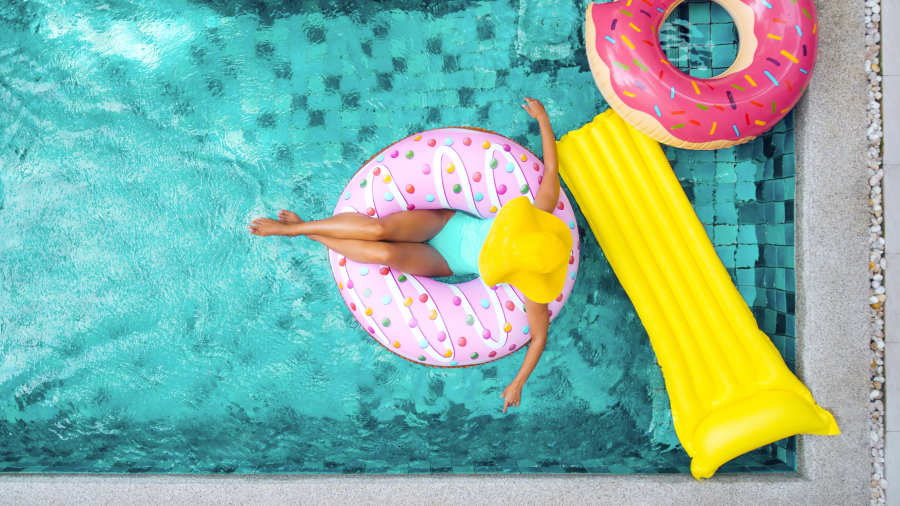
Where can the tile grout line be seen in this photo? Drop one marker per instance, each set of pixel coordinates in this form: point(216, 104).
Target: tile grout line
point(877, 257)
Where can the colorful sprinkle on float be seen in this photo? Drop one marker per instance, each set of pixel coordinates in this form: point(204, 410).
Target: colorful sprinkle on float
point(421, 319)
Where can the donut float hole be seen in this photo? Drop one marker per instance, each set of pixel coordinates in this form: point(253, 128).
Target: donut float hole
point(699, 39)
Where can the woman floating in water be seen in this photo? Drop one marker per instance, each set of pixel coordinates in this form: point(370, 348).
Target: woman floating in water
point(445, 242)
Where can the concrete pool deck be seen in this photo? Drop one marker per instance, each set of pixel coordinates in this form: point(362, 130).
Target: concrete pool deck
point(833, 356)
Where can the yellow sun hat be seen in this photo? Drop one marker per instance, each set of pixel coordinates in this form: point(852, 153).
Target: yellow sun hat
point(527, 248)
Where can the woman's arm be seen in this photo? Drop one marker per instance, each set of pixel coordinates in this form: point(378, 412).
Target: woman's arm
point(538, 323)
point(548, 193)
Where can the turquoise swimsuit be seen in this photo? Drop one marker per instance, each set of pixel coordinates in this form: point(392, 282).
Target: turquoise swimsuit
point(460, 241)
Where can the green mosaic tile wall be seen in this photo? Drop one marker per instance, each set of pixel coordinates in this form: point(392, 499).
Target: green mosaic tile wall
point(744, 195)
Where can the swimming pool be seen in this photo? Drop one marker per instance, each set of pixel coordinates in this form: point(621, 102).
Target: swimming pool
point(144, 330)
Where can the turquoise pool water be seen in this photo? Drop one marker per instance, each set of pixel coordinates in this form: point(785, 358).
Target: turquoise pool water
point(142, 329)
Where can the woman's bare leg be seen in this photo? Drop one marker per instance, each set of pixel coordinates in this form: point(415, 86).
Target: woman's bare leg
point(408, 226)
point(410, 257)
point(413, 258)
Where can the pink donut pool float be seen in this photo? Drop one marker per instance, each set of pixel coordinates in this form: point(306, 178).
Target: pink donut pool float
point(775, 60)
point(421, 319)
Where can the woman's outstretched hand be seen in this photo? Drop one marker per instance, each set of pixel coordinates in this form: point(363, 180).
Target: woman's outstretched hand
point(512, 395)
point(535, 109)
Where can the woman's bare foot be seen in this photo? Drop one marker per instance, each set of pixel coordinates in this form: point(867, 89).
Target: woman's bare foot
point(267, 226)
point(285, 216)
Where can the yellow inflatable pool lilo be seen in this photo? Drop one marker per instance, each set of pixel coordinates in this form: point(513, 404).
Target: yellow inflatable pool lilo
point(730, 389)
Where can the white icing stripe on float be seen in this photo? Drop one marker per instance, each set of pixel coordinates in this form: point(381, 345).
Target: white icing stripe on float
point(439, 179)
point(501, 319)
point(360, 306)
point(491, 182)
point(407, 314)
point(370, 200)
point(518, 172)
point(513, 295)
point(349, 209)
point(478, 325)
point(463, 178)
point(439, 321)
point(395, 190)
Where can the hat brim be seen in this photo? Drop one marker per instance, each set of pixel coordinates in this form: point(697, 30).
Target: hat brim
point(517, 218)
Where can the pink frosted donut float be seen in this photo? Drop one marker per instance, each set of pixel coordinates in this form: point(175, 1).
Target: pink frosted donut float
point(777, 53)
point(421, 319)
